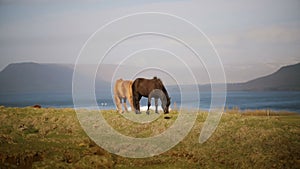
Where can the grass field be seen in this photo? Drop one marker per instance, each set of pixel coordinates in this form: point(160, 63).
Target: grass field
point(53, 138)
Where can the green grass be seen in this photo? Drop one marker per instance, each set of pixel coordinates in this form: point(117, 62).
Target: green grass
point(53, 138)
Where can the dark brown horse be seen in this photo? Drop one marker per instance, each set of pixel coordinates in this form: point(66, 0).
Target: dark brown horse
point(150, 88)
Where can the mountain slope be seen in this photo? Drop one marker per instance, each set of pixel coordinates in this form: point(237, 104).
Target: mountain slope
point(286, 78)
point(57, 78)
point(39, 78)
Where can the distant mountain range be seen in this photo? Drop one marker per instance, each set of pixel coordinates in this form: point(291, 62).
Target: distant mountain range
point(286, 78)
point(41, 78)
point(57, 78)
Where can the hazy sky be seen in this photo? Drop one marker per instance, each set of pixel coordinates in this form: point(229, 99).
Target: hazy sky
point(253, 38)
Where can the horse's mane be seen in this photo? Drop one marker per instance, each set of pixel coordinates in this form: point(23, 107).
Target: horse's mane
point(162, 85)
point(158, 79)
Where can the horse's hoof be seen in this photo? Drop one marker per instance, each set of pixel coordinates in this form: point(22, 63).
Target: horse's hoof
point(148, 112)
point(156, 112)
point(137, 112)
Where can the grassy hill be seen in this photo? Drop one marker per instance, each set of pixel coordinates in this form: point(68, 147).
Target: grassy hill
point(53, 138)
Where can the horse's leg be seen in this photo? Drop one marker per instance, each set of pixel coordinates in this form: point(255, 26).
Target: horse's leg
point(136, 101)
point(125, 105)
point(149, 104)
point(118, 103)
point(156, 105)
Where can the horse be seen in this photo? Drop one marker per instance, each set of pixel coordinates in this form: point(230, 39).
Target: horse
point(123, 92)
point(150, 88)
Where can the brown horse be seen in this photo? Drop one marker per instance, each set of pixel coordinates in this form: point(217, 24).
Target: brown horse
point(150, 88)
point(123, 92)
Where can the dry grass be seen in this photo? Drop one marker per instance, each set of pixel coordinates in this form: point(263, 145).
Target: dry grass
point(53, 138)
point(260, 112)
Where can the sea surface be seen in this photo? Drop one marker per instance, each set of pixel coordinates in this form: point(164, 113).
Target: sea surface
point(274, 100)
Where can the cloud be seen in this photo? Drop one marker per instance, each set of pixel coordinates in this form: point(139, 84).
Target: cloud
point(262, 35)
point(242, 33)
point(274, 34)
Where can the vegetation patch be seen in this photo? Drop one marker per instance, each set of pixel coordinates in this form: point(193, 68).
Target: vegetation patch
point(53, 138)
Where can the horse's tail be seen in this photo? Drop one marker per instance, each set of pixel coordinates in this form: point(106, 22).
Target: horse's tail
point(131, 96)
point(130, 87)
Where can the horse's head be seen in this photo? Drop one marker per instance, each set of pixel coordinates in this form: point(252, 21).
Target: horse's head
point(166, 105)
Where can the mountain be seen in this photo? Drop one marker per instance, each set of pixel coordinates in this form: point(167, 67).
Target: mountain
point(40, 78)
point(57, 78)
point(286, 78)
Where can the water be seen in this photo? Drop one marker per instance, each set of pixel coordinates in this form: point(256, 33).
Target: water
point(274, 100)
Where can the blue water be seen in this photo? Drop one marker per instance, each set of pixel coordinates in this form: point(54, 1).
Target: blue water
point(274, 100)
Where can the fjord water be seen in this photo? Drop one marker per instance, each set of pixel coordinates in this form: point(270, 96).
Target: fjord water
point(274, 100)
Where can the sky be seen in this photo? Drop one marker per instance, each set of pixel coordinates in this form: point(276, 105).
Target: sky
point(252, 38)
